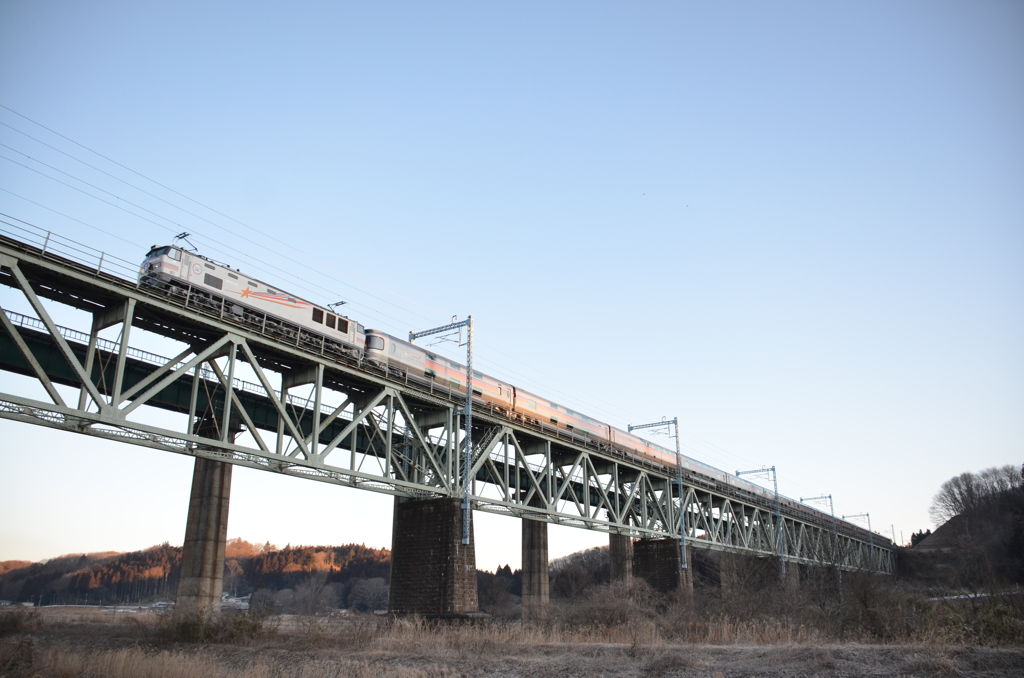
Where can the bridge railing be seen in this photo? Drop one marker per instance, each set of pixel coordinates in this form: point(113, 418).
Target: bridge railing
point(53, 243)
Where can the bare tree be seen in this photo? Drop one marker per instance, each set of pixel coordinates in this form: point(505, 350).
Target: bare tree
point(969, 491)
point(369, 594)
point(313, 596)
point(1002, 479)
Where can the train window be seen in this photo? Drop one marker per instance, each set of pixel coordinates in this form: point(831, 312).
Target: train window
point(499, 390)
point(330, 321)
point(213, 281)
point(533, 404)
point(455, 383)
point(318, 316)
point(478, 392)
point(294, 301)
point(553, 406)
point(455, 365)
point(394, 347)
point(376, 343)
point(174, 254)
point(252, 284)
point(430, 374)
point(554, 421)
point(233, 276)
point(477, 375)
point(431, 356)
point(361, 328)
point(210, 266)
point(568, 411)
point(270, 291)
point(158, 251)
point(342, 326)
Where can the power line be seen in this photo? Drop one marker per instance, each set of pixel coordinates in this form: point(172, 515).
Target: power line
point(524, 359)
point(227, 254)
point(266, 235)
point(619, 406)
point(95, 228)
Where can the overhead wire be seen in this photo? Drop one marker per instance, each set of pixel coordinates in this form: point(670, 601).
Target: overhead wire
point(619, 406)
point(533, 382)
point(252, 228)
point(206, 238)
point(235, 251)
point(487, 338)
point(95, 228)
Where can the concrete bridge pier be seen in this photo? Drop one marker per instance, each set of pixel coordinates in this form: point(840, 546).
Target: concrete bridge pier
point(535, 569)
point(433, 574)
point(206, 529)
point(657, 561)
point(620, 551)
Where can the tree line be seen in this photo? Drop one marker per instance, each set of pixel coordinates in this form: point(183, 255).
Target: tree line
point(152, 574)
point(971, 492)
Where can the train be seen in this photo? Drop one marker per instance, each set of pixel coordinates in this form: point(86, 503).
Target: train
point(244, 299)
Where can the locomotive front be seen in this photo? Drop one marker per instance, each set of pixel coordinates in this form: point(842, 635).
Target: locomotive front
point(161, 263)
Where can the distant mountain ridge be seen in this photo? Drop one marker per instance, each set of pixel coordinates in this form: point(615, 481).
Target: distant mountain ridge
point(153, 573)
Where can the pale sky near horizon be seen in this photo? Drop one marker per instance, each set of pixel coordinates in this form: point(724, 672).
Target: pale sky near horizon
point(799, 227)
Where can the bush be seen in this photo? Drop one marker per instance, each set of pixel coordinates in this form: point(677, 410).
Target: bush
point(19, 620)
point(199, 627)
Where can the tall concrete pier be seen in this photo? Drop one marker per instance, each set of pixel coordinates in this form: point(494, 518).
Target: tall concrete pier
point(535, 569)
point(433, 574)
point(206, 534)
point(620, 551)
point(206, 529)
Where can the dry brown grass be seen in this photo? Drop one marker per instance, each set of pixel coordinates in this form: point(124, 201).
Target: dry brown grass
point(368, 647)
point(60, 661)
point(475, 652)
point(618, 631)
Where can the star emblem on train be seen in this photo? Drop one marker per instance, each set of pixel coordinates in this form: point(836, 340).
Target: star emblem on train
point(245, 292)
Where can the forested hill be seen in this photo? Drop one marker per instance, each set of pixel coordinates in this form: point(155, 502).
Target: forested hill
point(152, 574)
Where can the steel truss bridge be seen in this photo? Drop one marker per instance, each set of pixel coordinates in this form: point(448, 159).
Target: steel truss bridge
point(357, 425)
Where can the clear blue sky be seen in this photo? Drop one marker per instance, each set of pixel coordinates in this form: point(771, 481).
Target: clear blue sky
point(799, 227)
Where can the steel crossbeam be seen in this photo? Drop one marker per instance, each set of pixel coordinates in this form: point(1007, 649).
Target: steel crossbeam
point(359, 426)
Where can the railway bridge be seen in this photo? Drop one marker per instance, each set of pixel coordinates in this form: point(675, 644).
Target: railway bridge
point(366, 428)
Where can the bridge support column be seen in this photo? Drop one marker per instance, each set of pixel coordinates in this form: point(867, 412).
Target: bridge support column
point(656, 561)
point(206, 535)
point(535, 569)
point(433, 574)
point(620, 550)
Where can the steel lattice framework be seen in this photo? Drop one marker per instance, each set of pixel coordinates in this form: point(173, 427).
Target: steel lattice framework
point(360, 426)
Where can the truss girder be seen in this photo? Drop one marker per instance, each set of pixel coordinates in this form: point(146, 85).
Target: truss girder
point(379, 432)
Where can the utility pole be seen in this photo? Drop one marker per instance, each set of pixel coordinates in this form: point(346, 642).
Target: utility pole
point(780, 541)
point(674, 423)
point(467, 413)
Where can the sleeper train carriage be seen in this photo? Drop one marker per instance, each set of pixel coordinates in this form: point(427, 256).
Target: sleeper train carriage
point(420, 364)
point(250, 301)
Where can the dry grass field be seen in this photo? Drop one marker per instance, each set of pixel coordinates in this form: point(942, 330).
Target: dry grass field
point(68, 643)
